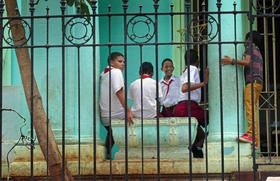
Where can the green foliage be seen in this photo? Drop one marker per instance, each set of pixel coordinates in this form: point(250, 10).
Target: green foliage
point(82, 6)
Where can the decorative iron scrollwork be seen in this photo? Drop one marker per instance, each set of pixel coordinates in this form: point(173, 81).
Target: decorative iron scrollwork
point(203, 29)
point(140, 29)
point(78, 30)
point(272, 7)
point(16, 25)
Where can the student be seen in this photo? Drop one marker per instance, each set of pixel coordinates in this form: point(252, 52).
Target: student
point(252, 57)
point(181, 110)
point(149, 101)
point(170, 86)
point(113, 106)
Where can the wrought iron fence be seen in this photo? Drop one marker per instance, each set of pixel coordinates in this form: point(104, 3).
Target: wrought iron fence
point(62, 46)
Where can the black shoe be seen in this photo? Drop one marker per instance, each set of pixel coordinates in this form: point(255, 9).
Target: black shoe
point(108, 156)
point(196, 152)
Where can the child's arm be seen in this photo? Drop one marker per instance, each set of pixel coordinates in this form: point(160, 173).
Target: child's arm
point(120, 95)
point(227, 60)
point(185, 87)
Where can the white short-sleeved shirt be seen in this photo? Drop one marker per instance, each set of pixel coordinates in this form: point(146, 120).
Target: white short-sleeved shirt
point(117, 110)
point(149, 97)
point(194, 79)
point(170, 91)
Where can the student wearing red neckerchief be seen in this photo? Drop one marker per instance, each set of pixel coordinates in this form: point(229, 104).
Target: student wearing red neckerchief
point(147, 103)
point(181, 110)
point(113, 106)
point(170, 86)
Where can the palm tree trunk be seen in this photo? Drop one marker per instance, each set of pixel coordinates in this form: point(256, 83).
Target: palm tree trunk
point(39, 115)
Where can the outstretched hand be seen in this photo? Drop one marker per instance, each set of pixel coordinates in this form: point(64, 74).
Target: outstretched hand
point(226, 60)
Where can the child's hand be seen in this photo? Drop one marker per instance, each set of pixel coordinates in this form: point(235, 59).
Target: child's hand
point(226, 60)
point(130, 117)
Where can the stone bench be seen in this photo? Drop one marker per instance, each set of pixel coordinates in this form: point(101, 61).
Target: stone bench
point(174, 137)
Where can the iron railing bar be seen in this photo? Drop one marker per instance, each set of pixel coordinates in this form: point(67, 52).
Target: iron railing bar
point(219, 4)
point(137, 14)
point(187, 9)
point(63, 9)
point(156, 5)
point(93, 7)
point(79, 117)
point(251, 20)
point(237, 94)
point(142, 124)
point(206, 114)
point(110, 97)
point(266, 70)
point(1, 80)
point(128, 44)
point(47, 89)
point(275, 80)
point(32, 9)
point(125, 6)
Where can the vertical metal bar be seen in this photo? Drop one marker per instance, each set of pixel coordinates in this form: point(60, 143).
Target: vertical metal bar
point(237, 90)
point(156, 5)
point(219, 4)
point(93, 7)
point(266, 71)
point(1, 77)
point(252, 87)
point(32, 9)
point(79, 117)
point(142, 124)
point(63, 8)
point(274, 79)
point(110, 97)
point(47, 87)
point(172, 23)
point(205, 92)
point(125, 6)
point(187, 11)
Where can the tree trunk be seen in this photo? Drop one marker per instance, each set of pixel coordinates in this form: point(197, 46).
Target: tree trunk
point(39, 115)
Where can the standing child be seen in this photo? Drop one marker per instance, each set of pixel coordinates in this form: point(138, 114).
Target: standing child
point(149, 101)
point(181, 110)
point(112, 98)
point(170, 86)
point(254, 57)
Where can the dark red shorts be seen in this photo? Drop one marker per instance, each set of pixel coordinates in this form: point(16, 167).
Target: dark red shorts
point(181, 110)
point(168, 112)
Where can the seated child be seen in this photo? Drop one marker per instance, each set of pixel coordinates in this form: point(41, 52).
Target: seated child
point(170, 86)
point(181, 110)
point(148, 103)
point(113, 106)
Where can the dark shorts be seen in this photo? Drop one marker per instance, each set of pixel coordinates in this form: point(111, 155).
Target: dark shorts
point(181, 110)
point(168, 112)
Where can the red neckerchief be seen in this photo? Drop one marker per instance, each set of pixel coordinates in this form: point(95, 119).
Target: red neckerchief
point(145, 76)
point(168, 86)
point(185, 69)
point(106, 70)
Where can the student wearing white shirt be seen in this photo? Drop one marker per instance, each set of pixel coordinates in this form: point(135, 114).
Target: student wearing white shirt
point(170, 86)
point(147, 103)
point(181, 110)
point(112, 99)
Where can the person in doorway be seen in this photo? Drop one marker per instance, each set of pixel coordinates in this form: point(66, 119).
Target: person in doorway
point(112, 98)
point(170, 86)
point(182, 108)
point(253, 72)
point(147, 103)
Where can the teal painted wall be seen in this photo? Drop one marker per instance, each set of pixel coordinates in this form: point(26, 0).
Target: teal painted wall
point(133, 52)
point(55, 73)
